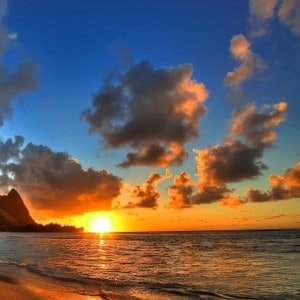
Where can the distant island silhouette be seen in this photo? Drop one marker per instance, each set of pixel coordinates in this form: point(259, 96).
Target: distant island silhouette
point(14, 216)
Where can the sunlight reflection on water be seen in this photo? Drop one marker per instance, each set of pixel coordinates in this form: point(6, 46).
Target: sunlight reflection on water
point(265, 263)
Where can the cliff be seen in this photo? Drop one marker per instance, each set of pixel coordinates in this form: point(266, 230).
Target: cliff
point(13, 210)
point(14, 216)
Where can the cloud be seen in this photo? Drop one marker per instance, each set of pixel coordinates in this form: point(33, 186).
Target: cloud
point(211, 194)
point(24, 79)
point(57, 183)
point(276, 217)
point(182, 192)
point(153, 111)
point(260, 13)
point(240, 47)
point(241, 51)
point(239, 159)
point(287, 12)
point(185, 193)
point(236, 95)
point(232, 201)
point(12, 84)
point(13, 35)
point(146, 195)
point(231, 162)
point(256, 127)
point(283, 187)
point(10, 149)
point(262, 9)
point(252, 131)
point(3, 8)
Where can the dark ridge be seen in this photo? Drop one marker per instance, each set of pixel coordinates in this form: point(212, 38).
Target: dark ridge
point(13, 206)
point(14, 216)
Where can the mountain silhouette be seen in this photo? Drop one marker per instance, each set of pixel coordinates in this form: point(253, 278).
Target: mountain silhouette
point(13, 211)
point(14, 216)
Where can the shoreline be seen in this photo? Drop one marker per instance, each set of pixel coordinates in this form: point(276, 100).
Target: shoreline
point(22, 285)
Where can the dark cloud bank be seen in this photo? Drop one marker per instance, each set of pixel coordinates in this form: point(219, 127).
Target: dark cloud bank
point(54, 181)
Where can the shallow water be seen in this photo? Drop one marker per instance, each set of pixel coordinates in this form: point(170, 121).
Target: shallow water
point(170, 265)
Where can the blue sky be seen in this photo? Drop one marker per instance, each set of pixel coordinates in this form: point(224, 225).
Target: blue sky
point(75, 45)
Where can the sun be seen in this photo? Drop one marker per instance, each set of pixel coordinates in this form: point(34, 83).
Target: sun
point(101, 224)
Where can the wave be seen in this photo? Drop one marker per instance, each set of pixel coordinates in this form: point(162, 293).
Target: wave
point(192, 292)
point(120, 289)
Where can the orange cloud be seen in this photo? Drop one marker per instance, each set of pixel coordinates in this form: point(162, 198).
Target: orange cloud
point(240, 49)
point(283, 187)
point(146, 195)
point(222, 163)
point(181, 193)
point(255, 126)
point(185, 193)
point(234, 161)
point(232, 201)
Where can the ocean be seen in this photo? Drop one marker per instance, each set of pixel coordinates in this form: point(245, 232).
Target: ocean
point(162, 265)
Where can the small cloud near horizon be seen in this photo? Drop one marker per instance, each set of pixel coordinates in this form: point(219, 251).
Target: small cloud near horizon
point(283, 187)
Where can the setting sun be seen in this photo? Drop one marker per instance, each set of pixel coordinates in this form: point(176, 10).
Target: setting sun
point(101, 224)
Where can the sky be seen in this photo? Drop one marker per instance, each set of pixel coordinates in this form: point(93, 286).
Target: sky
point(161, 115)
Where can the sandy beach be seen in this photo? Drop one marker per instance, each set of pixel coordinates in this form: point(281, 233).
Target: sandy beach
point(35, 288)
point(11, 290)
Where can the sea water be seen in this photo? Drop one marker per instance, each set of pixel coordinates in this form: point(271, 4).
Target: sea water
point(165, 265)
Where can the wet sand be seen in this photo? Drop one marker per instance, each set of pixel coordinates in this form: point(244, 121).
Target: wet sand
point(35, 288)
point(10, 289)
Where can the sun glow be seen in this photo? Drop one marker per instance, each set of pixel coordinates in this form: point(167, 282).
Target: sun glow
point(101, 224)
